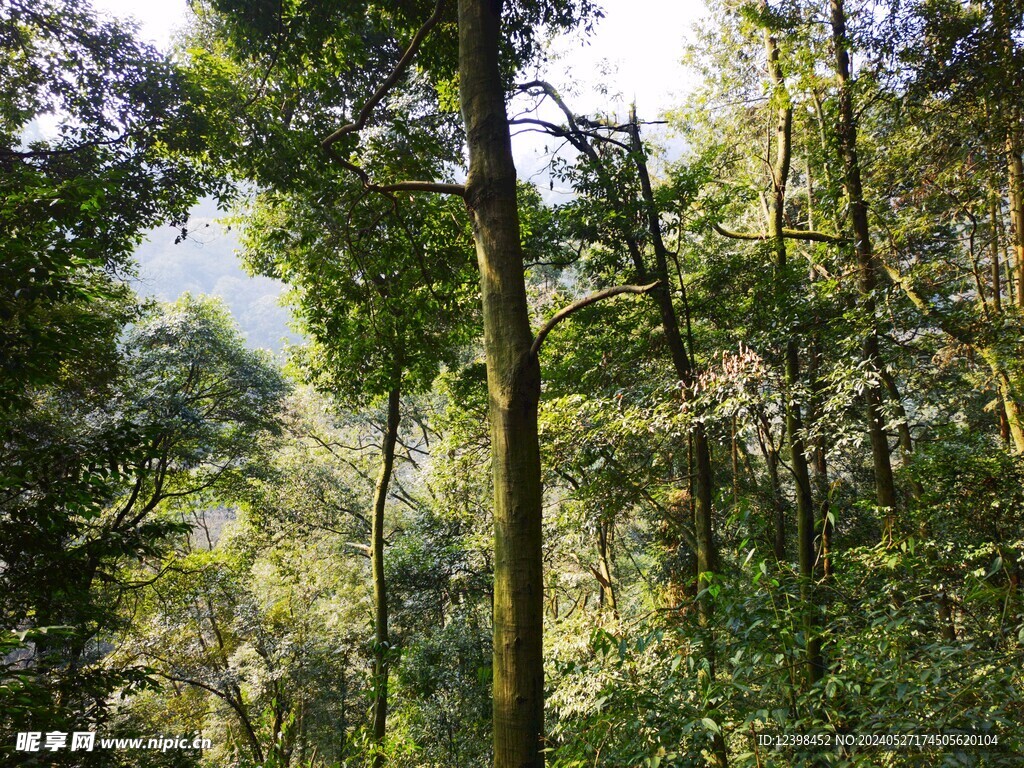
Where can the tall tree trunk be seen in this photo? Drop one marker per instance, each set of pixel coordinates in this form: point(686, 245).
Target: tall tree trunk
point(682, 359)
point(994, 266)
point(1015, 171)
point(819, 466)
point(995, 206)
point(819, 462)
point(513, 385)
point(381, 649)
point(885, 490)
point(794, 418)
point(701, 483)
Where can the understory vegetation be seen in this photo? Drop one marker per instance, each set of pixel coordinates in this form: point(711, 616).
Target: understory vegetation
point(716, 458)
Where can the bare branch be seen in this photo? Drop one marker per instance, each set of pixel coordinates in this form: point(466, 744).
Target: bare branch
point(577, 126)
point(587, 300)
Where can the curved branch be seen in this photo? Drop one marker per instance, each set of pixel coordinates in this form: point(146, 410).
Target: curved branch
point(576, 125)
point(364, 114)
point(789, 234)
point(387, 85)
point(550, 91)
point(237, 706)
point(587, 300)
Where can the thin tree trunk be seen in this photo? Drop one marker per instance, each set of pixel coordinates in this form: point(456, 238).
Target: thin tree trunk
point(1011, 293)
point(995, 217)
point(1015, 171)
point(794, 418)
point(997, 290)
point(605, 532)
point(734, 456)
point(381, 649)
point(825, 523)
point(513, 385)
point(703, 481)
point(885, 490)
point(819, 466)
point(819, 454)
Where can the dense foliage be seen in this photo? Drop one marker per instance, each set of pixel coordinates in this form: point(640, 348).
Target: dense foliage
point(781, 416)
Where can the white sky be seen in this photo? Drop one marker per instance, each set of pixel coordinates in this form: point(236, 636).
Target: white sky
point(642, 39)
point(634, 54)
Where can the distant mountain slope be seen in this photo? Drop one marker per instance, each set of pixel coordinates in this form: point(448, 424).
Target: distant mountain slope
point(206, 262)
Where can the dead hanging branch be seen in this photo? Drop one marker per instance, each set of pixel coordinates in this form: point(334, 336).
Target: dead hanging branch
point(789, 234)
point(364, 114)
point(578, 130)
point(562, 314)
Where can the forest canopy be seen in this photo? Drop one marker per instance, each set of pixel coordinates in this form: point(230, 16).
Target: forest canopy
point(715, 459)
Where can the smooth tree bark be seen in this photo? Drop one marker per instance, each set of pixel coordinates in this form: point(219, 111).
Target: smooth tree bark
point(513, 384)
point(381, 639)
point(867, 266)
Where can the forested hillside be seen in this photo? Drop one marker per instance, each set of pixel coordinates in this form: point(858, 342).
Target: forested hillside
point(702, 445)
point(205, 261)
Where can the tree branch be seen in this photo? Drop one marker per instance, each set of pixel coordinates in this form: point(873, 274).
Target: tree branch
point(390, 82)
point(563, 313)
point(575, 124)
point(364, 114)
point(790, 234)
point(439, 187)
point(925, 307)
